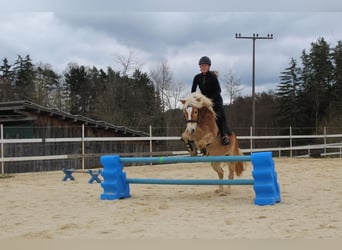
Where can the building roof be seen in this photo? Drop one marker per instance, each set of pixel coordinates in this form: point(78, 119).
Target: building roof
point(19, 111)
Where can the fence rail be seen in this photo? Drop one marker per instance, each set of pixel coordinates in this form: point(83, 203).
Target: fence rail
point(334, 148)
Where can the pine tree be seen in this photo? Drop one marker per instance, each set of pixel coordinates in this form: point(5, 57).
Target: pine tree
point(80, 87)
point(75, 83)
point(287, 109)
point(317, 78)
point(335, 109)
point(6, 79)
point(144, 103)
point(105, 101)
point(24, 78)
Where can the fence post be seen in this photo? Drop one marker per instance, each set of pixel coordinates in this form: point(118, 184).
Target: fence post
point(251, 138)
point(290, 141)
point(151, 141)
point(325, 141)
point(309, 150)
point(82, 146)
point(2, 151)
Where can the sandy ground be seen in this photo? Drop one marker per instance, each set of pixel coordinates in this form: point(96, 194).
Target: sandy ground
point(41, 206)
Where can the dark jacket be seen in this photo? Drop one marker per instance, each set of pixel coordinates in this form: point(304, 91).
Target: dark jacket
point(209, 86)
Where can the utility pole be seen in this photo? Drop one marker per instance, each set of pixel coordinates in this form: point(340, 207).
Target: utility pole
point(254, 37)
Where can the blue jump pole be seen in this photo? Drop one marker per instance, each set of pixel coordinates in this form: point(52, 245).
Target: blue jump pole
point(265, 184)
point(185, 159)
point(190, 181)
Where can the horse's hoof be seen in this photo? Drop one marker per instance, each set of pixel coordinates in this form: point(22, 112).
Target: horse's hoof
point(189, 147)
point(193, 153)
point(222, 192)
point(204, 151)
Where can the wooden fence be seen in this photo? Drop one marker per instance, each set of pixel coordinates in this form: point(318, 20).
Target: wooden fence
point(84, 152)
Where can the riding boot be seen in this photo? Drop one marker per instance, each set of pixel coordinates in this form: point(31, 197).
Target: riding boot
point(224, 132)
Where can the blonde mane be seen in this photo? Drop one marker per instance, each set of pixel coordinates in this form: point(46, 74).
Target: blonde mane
point(198, 100)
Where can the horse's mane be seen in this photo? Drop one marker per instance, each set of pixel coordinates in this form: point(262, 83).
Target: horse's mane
point(199, 101)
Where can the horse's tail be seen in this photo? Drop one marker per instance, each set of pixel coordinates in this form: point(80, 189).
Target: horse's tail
point(239, 166)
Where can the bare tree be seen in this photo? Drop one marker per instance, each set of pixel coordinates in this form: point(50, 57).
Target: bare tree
point(162, 77)
point(174, 94)
point(232, 85)
point(129, 63)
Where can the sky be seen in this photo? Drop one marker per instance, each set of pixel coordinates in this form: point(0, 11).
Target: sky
point(96, 33)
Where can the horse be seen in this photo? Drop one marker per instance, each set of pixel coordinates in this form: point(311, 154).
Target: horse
point(202, 130)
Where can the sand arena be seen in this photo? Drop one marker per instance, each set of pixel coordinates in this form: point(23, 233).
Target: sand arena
point(41, 206)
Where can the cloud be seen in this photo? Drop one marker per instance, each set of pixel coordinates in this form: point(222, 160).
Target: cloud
point(175, 5)
point(97, 38)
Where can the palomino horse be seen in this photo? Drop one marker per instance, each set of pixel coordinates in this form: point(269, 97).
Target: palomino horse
point(203, 131)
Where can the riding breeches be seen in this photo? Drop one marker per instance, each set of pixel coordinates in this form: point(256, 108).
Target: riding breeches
point(221, 120)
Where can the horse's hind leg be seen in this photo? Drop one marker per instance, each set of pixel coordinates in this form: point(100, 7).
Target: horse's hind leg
point(218, 169)
point(231, 169)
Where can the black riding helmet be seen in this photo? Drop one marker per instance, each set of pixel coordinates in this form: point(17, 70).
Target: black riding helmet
point(204, 60)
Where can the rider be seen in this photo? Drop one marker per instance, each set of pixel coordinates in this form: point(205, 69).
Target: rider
point(210, 87)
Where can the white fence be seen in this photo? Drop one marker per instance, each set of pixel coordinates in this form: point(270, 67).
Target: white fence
point(334, 148)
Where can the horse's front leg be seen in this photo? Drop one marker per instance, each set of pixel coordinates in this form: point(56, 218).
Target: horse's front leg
point(189, 143)
point(206, 140)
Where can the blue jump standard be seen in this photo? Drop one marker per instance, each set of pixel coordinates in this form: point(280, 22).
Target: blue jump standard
point(93, 173)
point(265, 184)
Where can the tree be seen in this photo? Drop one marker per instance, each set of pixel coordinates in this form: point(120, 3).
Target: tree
point(287, 107)
point(232, 85)
point(145, 103)
point(241, 110)
point(317, 81)
point(107, 104)
point(7, 91)
point(80, 90)
point(335, 107)
point(128, 64)
point(163, 80)
point(24, 78)
point(174, 93)
point(48, 91)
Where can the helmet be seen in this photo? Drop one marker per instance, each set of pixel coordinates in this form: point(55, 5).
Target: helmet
point(204, 60)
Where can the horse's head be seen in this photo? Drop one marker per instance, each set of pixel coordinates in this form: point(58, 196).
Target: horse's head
point(191, 110)
point(191, 115)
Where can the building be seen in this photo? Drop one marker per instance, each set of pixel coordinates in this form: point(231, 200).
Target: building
point(27, 120)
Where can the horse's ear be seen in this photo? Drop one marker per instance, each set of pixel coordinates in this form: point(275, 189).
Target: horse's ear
point(182, 101)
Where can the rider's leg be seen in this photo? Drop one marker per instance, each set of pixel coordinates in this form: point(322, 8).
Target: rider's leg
point(225, 131)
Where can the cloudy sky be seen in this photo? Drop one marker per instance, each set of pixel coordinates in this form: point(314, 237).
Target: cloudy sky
point(96, 34)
